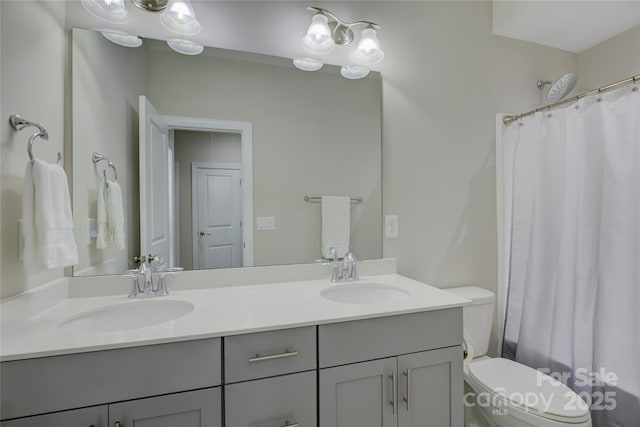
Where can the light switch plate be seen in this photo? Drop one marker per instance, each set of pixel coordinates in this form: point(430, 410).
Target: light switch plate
point(92, 231)
point(264, 223)
point(391, 227)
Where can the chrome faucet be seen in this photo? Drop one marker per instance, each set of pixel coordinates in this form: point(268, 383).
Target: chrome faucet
point(346, 272)
point(146, 269)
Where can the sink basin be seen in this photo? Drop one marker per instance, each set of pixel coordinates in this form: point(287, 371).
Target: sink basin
point(365, 293)
point(131, 315)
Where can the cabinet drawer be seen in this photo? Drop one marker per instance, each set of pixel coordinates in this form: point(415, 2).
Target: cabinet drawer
point(266, 354)
point(349, 342)
point(48, 384)
point(94, 416)
point(272, 402)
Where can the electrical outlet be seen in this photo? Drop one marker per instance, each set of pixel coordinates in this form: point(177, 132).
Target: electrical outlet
point(391, 227)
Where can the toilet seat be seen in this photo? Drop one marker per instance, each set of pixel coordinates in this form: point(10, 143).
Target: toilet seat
point(510, 383)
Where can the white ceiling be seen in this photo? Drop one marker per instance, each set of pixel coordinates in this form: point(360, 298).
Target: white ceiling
point(573, 26)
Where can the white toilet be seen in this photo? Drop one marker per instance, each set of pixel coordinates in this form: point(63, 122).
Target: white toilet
point(503, 393)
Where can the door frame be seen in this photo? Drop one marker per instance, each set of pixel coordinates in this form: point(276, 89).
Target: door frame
point(195, 242)
point(245, 130)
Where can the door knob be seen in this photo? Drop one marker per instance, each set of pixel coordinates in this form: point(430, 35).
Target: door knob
point(202, 233)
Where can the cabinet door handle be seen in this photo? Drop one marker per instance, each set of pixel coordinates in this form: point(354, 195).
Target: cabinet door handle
point(286, 353)
point(286, 424)
point(407, 399)
point(394, 393)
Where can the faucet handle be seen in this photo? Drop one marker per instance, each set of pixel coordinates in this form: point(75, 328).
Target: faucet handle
point(135, 286)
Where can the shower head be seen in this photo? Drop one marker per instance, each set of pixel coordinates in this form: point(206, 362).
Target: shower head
point(560, 88)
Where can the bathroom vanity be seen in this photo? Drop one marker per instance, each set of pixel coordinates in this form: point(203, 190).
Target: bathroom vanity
point(299, 360)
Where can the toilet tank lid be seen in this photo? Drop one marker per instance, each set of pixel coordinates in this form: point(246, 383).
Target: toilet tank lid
point(476, 294)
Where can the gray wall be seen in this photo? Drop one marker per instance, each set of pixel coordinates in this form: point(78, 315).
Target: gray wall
point(107, 80)
point(33, 65)
point(313, 134)
point(198, 147)
point(612, 60)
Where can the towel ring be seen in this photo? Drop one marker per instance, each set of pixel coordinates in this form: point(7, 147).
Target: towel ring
point(18, 123)
point(97, 158)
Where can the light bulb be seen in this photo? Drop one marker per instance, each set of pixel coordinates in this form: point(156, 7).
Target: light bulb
point(318, 38)
point(368, 51)
point(113, 11)
point(180, 18)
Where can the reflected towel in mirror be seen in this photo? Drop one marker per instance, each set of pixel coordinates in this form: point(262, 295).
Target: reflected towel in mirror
point(110, 216)
point(336, 223)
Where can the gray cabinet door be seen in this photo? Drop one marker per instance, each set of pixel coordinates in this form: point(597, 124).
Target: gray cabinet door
point(201, 408)
point(359, 395)
point(86, 417)
point(430, 388)
point(273, 402)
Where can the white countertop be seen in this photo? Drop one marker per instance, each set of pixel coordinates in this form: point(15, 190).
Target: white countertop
point(218, 312)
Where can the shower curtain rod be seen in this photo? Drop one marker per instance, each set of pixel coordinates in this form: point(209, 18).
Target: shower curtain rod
point(507, 120)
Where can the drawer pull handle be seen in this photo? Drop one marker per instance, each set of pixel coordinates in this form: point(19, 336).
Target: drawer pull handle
point(286, 353)
point(286, 424)
point(407, 399)
point(394, 384)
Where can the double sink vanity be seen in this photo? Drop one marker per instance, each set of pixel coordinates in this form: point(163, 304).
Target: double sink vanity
point(385, 351)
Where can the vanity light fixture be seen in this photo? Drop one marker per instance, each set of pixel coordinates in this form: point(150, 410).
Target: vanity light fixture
point(307, 64)
point(122, 39)
point(113, 11)
point(354, 73)
point(180, 18)
point(327, 30)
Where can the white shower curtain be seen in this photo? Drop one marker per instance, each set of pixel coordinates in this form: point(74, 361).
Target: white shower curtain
point(574, 281)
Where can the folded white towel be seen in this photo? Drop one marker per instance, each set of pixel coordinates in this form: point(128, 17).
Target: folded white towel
point(47, 219)
point(336, 218)
point(110, 216)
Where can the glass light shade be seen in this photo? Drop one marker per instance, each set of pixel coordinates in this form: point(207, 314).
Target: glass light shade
point(185, 47)
point(368, 51)
point(354, 73)
point(122, 39)
point(318, 38)
point(307, 64)
point(112, 11)
point(180, 18)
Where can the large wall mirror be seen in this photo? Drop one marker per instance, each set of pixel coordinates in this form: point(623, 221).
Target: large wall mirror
point(182, 132)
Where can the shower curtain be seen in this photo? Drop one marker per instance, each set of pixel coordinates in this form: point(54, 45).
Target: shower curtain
point(573, 304)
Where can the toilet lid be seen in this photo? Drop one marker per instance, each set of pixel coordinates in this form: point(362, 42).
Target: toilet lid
point(527, 388)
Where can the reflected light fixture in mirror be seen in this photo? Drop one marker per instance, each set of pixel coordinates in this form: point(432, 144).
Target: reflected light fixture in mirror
point(113, 11)
point(354, 73)
point(307, 64)
point(185, 47)
point(122, 39)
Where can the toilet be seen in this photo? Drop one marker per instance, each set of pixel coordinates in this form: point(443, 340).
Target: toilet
point(502, 393)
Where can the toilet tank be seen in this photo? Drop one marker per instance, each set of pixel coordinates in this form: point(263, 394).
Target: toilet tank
point(477, 317)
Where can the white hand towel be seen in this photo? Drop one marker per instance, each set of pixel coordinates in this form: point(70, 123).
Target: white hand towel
point(110, 216)
point(47, 218)
point(336, 218)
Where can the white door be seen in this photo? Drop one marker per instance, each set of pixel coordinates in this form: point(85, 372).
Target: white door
point(217, 216)
point(155, 183)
